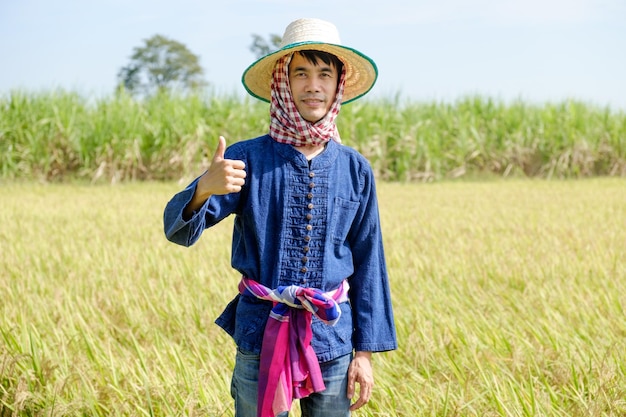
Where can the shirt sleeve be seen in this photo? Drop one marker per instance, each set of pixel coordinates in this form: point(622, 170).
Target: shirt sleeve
point(215, 209)
point(370, 296)
point(177, 229)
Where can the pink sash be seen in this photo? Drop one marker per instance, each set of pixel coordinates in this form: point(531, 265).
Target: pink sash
point(289, 368)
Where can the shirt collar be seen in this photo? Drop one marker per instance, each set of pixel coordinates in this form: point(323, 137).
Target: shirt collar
point(321, 161)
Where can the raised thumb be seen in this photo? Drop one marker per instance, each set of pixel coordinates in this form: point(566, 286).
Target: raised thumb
point(221, 148)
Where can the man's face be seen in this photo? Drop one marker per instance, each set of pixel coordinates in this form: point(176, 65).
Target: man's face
point(313, 87)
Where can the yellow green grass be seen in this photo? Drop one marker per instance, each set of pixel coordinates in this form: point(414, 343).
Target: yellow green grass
point(509, 299)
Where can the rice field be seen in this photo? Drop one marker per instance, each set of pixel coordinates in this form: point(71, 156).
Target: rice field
point(509, 298)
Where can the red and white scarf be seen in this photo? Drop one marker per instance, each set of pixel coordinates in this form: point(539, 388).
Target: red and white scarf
point(287, 124)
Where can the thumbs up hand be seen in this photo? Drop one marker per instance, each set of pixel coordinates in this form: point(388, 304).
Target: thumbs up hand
point(224, 176)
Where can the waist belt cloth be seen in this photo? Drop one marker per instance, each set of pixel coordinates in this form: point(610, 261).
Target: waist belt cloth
point(288, 367)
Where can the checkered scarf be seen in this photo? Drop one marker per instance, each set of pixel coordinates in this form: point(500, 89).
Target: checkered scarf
point(289, 368)
point(286, 123)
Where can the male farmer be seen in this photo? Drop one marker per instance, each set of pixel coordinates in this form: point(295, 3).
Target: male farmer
point(313, 302)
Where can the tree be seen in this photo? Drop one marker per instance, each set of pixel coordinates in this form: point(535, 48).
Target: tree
point(261, 47)
point(161, 64)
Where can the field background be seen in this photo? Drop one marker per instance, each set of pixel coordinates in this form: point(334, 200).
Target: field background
point(509, 298)
point(56, 136)
point(504, 233)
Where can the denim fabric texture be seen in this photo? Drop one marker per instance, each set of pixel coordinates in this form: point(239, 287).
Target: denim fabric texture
point(297, 222)
point(332, 402)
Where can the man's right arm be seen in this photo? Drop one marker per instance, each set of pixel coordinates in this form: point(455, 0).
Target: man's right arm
point(224, 176)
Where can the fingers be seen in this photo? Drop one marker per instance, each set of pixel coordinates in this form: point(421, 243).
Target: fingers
point(219, 156)
point(351, 384)
point(224, 176)
point(235, 178)
point(365, 393)
point(221, 148)
point(360, 372)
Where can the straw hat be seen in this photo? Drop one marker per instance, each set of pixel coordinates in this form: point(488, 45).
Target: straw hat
point(314, 34)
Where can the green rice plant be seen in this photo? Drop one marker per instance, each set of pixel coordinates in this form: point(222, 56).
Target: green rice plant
point(508, 299)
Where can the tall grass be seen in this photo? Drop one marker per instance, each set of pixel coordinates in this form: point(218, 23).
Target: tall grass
point(62, 135)
point(509, 300)
point(475, 135)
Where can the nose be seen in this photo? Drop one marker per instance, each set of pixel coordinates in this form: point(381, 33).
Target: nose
point(313, 85)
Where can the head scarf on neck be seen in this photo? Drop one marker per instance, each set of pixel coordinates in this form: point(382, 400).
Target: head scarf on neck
point(287, 124)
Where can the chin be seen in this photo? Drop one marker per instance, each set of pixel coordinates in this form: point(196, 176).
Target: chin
point(313, 118)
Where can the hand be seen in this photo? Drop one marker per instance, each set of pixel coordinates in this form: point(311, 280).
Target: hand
point(360, 371)
point(224, 176)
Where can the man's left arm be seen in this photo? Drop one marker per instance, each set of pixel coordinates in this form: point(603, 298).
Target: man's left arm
point(370, 296)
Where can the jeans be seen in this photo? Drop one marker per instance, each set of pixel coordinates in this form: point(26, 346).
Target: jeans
point(332, 402)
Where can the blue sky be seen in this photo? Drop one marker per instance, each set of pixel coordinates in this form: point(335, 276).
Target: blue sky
point(536, 50)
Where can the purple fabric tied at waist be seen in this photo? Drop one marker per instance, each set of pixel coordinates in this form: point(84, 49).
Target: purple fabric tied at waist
point(289, 368)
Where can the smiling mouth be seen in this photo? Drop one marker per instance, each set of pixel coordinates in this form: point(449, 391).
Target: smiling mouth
point(312, 101)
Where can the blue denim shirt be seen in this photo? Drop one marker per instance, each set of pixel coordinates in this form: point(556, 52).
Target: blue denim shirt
point(309, 223)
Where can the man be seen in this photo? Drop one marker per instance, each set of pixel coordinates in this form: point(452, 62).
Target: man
point(314, 300)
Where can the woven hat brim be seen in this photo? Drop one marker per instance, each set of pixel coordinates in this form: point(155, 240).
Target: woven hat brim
point(361, 71)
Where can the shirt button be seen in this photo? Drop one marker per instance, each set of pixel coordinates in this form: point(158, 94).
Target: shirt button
point(311, 174)
point(309, 196)
point(309, 227)
point(305, 259)
point(303, 269)
point(305, 249)
point(310, 206)
point(309, 216)
point(307, 238)
point(311, 185)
